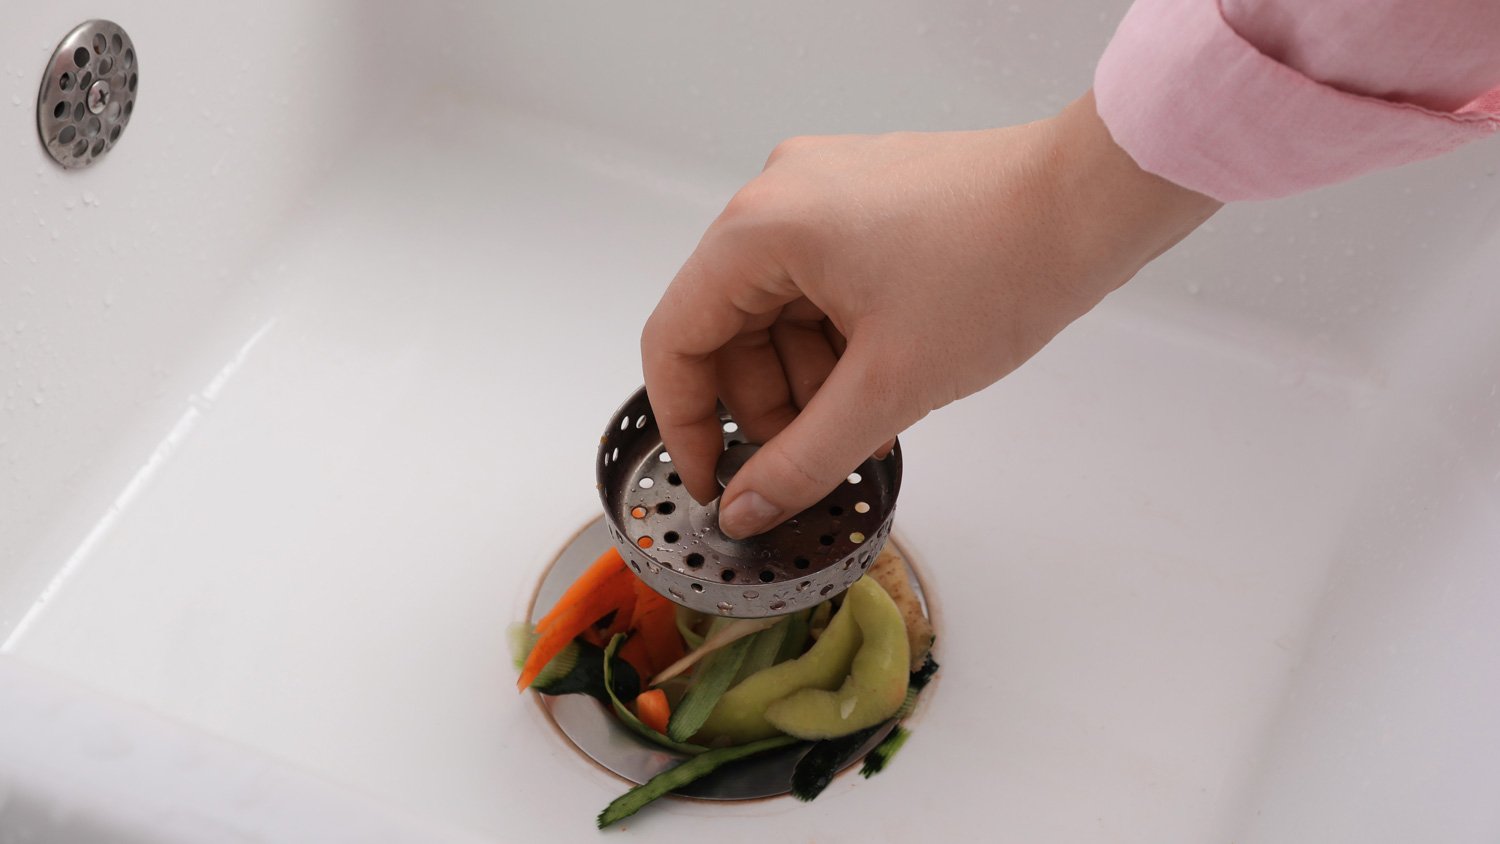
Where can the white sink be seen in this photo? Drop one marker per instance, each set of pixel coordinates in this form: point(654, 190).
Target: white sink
point(300, 385)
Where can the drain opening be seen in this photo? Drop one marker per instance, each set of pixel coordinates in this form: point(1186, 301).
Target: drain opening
point(600, 738)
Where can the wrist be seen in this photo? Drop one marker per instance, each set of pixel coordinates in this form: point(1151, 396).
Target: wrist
point(1120, 216)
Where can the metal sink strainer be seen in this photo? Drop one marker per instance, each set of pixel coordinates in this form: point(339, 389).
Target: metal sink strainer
point(675, 545)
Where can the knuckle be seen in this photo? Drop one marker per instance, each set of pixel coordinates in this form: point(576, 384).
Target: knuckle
point(789, 146)
point(753, 200)
point(793, 475)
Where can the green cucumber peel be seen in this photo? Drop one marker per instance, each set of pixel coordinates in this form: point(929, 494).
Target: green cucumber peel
point(685, 619)
point(765, 649)
point(676, 777)
point(796, 636)
point(710, 682)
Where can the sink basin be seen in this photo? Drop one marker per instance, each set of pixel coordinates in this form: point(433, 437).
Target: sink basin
point(300, 386)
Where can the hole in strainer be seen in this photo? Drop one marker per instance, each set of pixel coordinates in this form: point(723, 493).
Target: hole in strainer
point(664, 457)
point(79, 111)
point(862, 507)
point(731, 427)
point(129, 59)
point(132, 83)
point(98, 146)
point(100, 43)
point(856, 537)
point(92, 127)
point(670, 536)
point(65, 82)
point(59, 110)
point(801, 562)
point(854, 478)
point(666, 508)
point(727, 575)
point(81, 56)
point(674, 479)
point(825, 539)
point(116, 43)
point(645, 542)
point(835, 511)
point(67, 135)
point(697, 587)
point(694, 561)
point(766, 576)
point(640, 422)
point(81, 147)
point(625, 423)
point(646, 483)
point(114, 134)
point(106, 64)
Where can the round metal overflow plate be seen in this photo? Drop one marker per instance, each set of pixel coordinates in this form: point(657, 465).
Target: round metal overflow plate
point(675, 545)
point(88, 93)
point(598, 734)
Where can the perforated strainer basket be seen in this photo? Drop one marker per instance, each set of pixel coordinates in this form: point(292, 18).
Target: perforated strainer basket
point(675, 545)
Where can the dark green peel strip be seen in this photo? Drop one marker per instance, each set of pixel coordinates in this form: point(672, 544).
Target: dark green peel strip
point(878, 758)
point(819, 765)
point(816, 769)
point(587, 676)
point(923, 675)
point(672, 779)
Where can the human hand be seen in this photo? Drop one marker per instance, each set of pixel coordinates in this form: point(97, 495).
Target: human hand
point(946, 259)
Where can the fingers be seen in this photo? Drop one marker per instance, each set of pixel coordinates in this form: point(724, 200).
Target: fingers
point(858, 409)
point(807, 357)
point(754, 386)
point(725, 287)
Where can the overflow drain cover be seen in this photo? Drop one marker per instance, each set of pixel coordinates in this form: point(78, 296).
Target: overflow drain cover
point(88, 93)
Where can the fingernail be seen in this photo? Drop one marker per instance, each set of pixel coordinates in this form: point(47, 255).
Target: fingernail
point(747, 515)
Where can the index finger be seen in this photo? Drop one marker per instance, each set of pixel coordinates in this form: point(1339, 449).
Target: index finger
point(723, 289)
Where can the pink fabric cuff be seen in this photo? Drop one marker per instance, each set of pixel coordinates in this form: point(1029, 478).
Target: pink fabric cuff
point(1193, 102)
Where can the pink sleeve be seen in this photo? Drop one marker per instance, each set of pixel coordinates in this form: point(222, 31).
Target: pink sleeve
point(1286, 95)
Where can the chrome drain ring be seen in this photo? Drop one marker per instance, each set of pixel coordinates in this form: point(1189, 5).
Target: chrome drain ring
point(598, 736)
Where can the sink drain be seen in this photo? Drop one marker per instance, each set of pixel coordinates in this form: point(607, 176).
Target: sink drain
point(599, 736)
point(88, 93)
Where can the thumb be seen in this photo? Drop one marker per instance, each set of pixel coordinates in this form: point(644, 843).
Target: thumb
point(857, 411)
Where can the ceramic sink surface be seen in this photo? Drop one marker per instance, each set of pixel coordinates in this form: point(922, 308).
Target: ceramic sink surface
point(299, 390)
